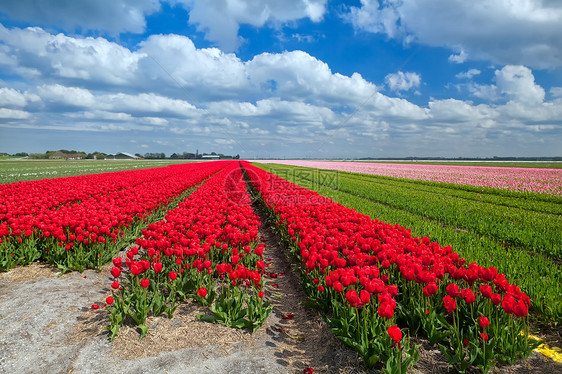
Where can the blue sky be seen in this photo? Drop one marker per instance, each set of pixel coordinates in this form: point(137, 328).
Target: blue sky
point(286, 79)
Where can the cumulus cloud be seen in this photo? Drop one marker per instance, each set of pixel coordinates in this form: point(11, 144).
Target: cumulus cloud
point(6, 113)
point(460, 58)
point(172, 65)
point(175, 61)
point(189, 93)
point(296, 74)
point(402, 81)
point(33, 51)
point(468, 74)
point(101, 15)
point(455, 111)
point(518, 83)
point(487, 92)
point(504, 32)
point(11, 98)
point(57, 95)
point(220, 20)
point(382, 106)
point(514, 83)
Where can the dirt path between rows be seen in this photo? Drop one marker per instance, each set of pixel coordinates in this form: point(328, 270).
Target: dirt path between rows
point(47, 325)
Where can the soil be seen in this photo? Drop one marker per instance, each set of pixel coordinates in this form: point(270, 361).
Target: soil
point(47, 325)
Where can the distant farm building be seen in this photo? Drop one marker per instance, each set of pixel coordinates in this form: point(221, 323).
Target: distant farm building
point(122, 156)
point(211, 157)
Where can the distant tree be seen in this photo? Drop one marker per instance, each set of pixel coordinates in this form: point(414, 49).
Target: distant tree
point(21, 154)
point(96, 155)
point(39, 156)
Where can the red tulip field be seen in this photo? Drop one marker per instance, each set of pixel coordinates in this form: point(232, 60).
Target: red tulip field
point(393, 266)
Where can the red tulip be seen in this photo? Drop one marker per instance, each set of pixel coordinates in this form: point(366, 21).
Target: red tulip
point(486, 291)
point(453, 290)
point(157, 266)
point(115, 272)
point(468, 295)
point(449, 303)
point(202, 292)
point(395, 333)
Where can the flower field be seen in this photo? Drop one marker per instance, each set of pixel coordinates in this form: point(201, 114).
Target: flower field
point(205, 247)
point(383, 260)
point(77, 222)
point(369, 274)
point(546, 181)
point(518, 235)
point(30, 170)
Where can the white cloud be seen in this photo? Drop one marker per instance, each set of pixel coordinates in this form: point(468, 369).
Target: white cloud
point(556, 92)
point(274, 100)
point(518, 83)
point(155, 121)
point(374, 18)
point(402, 81)
point(220, 20)
point(147, 103)
point(6, 113)
point(174, 60)
point(455, 111)
point(460, 58)
point(514, 83)
point(224, 141)
point(11, 97)
point(296, 74)
point(103, 15)
point(57, 94)
point(505, 32)
point(298, 114)
point(394, 108)
point(468, 74)
point(118, 106)
point(303, 38)
point(33, 51)
point(172, 65)
point(488, 92)
point(99, 115)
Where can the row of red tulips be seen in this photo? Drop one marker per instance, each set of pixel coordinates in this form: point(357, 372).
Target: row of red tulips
point(377, 281)
point(205, 249)
point(80, 222)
